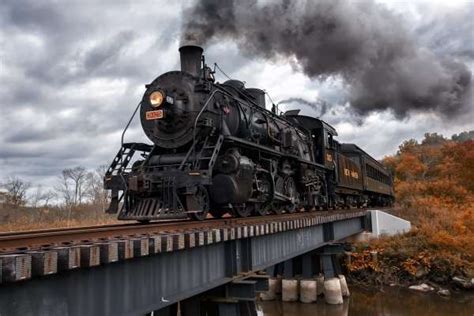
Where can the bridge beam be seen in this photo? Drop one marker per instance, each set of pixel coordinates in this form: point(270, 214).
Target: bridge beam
point(150, 283)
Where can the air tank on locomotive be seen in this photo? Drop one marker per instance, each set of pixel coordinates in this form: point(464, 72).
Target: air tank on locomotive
point(248, 119)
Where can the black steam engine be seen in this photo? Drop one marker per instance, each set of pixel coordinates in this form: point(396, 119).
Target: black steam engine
point(217, 149)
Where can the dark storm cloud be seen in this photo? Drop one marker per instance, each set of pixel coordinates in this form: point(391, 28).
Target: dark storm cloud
point(104, 54)
point(30, 135)
point(80, 40)
point(72, 73)
point(36, 16)
point(362, 41)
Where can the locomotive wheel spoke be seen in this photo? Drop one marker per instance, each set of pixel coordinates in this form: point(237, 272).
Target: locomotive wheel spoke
point(243, 211)
point(290, 208)
point(276, 208)
point(289, 189)
point(203, 200)
point(259, 210)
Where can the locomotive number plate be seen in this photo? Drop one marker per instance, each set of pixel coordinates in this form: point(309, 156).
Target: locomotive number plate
point(154, 115)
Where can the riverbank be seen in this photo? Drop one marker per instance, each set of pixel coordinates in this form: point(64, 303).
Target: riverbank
point(434, 188)
point(438, 251)
point(413, 258)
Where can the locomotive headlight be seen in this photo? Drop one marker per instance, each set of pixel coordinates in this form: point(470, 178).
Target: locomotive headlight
point(156, 98)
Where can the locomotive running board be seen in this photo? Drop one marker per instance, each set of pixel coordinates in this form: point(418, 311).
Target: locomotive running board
point(271, 151)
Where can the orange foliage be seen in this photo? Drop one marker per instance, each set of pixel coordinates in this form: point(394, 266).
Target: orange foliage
point(434, 187)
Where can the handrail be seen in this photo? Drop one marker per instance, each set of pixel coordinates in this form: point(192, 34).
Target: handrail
point(198, 116)
point(191, 150)
point(121, 142)
point(129, 122)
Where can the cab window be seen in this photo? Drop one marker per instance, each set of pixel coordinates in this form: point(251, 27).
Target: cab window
point(330, 141)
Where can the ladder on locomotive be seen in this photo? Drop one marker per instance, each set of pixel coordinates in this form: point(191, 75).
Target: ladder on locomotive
point(120, 163)
point(115, 176)
point(207, 155)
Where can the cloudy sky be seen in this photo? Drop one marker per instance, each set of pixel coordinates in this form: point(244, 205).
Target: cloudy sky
point(72, 72)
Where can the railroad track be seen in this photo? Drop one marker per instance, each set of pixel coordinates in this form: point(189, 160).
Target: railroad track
point(30, 254)
point(38, 239)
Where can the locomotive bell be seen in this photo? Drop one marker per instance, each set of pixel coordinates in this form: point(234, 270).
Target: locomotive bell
point(190, 56)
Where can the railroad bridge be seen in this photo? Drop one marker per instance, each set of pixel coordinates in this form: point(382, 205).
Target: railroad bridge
point(139, 269)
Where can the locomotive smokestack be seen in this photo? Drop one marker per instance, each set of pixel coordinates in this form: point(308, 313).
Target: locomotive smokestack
point(190, 55)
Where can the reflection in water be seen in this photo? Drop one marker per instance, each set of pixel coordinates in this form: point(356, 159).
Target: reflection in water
point(393, 301)
point(299, 309)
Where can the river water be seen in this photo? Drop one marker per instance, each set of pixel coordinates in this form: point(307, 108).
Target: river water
point(390, 301)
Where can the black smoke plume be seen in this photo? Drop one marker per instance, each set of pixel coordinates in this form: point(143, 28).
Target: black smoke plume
point(361, 41)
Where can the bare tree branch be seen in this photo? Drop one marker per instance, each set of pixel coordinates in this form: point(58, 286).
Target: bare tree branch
point(95, 187)
point(16, 191)
point(72, 185)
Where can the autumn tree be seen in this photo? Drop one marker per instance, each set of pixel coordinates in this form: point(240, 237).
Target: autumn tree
point(462, 137)
point(407, 146)
point(433, 139)
point(434, 188)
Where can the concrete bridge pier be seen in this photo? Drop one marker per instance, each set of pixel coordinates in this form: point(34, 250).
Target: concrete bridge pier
point(233, 299)
point(275, 273)
point(298, 282)
point(334, 286)
point(308, 284)
point(297, 278)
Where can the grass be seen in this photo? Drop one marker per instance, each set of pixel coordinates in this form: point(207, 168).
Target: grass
point(27, 218)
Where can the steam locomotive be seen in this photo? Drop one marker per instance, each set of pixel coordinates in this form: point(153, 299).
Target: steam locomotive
point(217, 150)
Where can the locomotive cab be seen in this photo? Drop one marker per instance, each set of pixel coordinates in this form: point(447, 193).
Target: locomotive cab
point(322, 134)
